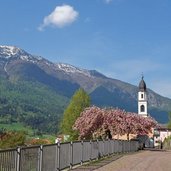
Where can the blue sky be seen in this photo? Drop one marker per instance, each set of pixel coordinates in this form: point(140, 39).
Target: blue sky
point(119, 38)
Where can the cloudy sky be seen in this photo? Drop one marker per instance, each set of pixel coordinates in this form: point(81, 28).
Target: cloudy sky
point(120, 38)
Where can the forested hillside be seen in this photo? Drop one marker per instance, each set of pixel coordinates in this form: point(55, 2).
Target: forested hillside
point(30, 103)
point(35, 91)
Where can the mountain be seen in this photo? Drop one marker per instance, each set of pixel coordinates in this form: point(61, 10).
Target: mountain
point(41, 89)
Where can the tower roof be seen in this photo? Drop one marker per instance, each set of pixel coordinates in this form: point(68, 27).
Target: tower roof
point(142, 85)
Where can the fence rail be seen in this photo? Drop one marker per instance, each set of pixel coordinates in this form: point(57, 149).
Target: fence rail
point(60, 156)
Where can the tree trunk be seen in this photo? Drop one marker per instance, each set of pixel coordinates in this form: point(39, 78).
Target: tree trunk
point(128, 136)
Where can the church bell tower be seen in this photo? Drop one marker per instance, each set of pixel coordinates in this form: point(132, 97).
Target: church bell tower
point(142, 98)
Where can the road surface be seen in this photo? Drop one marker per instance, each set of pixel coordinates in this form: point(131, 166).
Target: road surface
point(142, 161)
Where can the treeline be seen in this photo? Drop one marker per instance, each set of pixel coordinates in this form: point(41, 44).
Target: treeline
point(32, 104)
point(11, 139)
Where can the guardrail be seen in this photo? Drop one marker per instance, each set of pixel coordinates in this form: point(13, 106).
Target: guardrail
point(62, 155)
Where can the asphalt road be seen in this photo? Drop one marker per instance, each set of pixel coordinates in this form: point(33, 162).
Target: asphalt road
point(142, 161)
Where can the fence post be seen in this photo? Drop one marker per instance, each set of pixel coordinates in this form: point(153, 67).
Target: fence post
point(71, 154)
point(102, 148)
point(122, 147)
point(18, 158)
point(98, 151)
point(129, 146)
point(58, 156)
point(113, 146)
point(90, 149)
point(108, 141)
point(82, 143)
point(40, 158)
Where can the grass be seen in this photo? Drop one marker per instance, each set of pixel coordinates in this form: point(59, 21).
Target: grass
point(17, 127)
point(29, 131)
point(49, 137)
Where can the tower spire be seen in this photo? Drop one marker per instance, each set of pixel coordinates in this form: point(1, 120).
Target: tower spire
point(142, 98)
point(142, 76)
point(142, 84)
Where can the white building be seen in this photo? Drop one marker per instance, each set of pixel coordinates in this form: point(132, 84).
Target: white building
point(142, 98)
point(161, 134)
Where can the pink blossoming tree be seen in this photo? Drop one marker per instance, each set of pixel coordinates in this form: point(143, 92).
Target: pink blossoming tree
point(95, 122)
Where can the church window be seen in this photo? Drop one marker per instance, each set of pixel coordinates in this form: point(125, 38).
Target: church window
point(142, 108)
point(142, 96)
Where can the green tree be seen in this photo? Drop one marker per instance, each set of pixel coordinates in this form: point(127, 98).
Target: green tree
point(12, 139)
point(78, 103)
point(169, 123)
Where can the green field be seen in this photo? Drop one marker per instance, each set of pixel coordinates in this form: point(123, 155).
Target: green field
point(17, 127)
point(29, 131)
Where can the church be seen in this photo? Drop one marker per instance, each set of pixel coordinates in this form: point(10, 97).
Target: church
point(159, 134)
point(147, 140)
point(142, 98)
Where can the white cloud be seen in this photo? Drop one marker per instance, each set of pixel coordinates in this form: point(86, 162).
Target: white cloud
point(108, 1)
point(62, 16)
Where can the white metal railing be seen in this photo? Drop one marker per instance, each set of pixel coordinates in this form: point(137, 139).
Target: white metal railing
point(62, 155)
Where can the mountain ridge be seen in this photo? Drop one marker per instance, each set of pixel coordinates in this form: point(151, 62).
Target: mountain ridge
point(16, 64)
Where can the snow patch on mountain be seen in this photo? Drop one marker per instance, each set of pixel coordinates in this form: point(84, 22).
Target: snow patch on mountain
point(12, 52)
point(25, 58)
point(8, 51)
point(72, 69)
point(5, 67)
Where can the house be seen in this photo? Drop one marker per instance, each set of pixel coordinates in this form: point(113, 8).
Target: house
point(160, 134)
